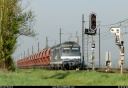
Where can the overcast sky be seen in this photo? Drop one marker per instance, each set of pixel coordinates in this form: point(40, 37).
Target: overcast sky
point(51, 15)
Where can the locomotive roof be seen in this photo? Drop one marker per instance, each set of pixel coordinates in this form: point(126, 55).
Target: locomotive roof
point(67, 42)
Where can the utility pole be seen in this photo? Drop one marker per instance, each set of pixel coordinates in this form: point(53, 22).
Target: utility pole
point(32, 49)
point(24, 54)
point(83, 27)
point(38, 46)
point(60, 35)
point(99, 47)
point(99, 44)
point(46, 42)
point(77, 38)
point(28, 51)
point(87, 48)
point(21, 55)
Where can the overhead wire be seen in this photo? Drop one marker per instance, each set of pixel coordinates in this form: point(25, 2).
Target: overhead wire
point(115, 23)
point(120, 25)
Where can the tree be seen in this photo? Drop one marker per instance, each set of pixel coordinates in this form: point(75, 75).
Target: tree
point(13, 23)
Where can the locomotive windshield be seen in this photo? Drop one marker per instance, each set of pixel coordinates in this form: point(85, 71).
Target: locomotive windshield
point(67, 51)
point(70, 50)
point(75, 50)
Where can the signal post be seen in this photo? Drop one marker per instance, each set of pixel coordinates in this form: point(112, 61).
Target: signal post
point(122, 54)
point(92, 31)
point(108, 61)
point(120, 44)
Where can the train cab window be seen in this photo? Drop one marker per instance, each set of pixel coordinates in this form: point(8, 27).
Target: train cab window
point(66, 50)
point(75, 50)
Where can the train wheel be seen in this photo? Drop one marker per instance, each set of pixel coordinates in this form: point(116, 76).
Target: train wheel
point(67, 66)
point(57, 68)
point(64, 67)
point(49, 67)
point(53, 68)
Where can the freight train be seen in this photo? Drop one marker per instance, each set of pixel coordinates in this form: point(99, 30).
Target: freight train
point(66, 55)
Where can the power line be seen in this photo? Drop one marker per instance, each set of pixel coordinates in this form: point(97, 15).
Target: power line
point(115, 23)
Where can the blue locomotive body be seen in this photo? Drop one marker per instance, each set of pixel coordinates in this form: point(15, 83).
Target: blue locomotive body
point(65, 55)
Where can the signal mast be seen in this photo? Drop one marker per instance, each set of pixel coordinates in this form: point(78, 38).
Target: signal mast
point(92, 31)
point(120, 44)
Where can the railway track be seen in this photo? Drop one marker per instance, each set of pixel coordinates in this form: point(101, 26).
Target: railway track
point(112, 70)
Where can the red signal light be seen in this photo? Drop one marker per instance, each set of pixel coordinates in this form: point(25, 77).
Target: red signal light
point(93, 21)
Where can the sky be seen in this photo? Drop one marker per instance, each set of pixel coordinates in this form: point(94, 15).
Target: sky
point(51, 15)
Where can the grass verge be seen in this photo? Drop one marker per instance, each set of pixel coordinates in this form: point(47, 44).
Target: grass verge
point(39, 77)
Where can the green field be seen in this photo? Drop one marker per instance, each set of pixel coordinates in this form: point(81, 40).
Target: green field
point(39, 77)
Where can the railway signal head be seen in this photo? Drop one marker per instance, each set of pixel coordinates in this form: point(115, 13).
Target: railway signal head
point(92, 22)
point(121, 62)
point(122, 51)
point(122, 43)
point(115, 30)
point(108, 63)
point(117, 34)
point(117, 39)
point(93, 45)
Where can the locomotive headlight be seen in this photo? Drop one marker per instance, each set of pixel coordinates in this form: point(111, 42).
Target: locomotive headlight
point(71, 44)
